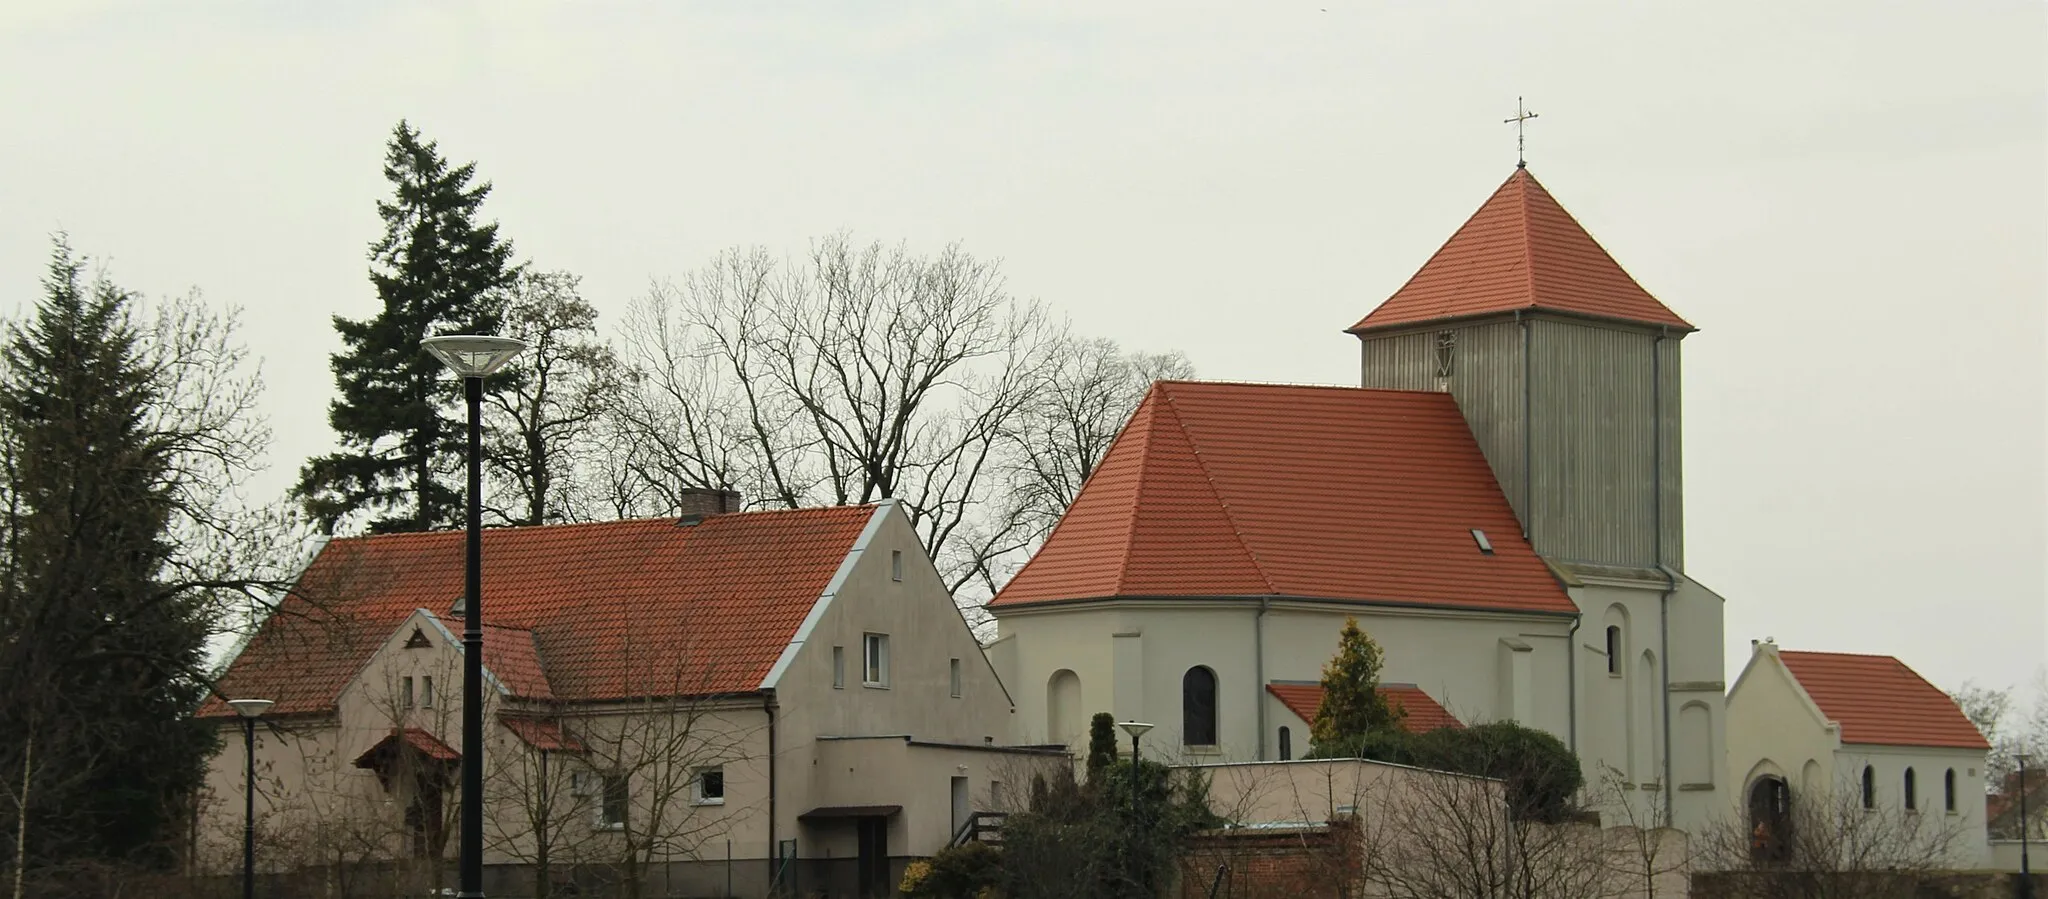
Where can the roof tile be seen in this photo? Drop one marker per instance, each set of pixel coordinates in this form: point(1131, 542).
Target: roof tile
point(1424, 713)
point(1879, 701)
point(1325, 492)
point(614, 609)
point(1521, 250)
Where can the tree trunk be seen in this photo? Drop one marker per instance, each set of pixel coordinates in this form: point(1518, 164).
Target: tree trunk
point(28, 752)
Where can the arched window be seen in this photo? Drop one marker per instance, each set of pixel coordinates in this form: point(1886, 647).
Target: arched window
point(1287, 752)
point(1198, 707)
point(1869, 787)
point(1948, 791)
point(1614, 649)
point(1912, 791)
point(1770, 821)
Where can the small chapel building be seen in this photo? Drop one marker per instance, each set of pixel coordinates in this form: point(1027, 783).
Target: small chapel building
point(1499, 504)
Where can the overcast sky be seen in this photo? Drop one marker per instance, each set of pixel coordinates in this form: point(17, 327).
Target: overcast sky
point(1846, 197)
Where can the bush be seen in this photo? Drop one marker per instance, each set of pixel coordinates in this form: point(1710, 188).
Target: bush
point(966, 871)
point(1542, 776)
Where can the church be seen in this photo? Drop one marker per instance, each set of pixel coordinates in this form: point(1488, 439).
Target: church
point(1499, 503)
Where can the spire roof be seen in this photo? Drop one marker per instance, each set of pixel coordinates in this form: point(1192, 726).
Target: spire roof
point(1520, 251)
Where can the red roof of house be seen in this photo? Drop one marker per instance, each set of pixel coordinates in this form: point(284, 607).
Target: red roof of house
point(1260, 489)
point(1878, 700)
point(541, 734)
point(412, 738)
point(1521, 250)
point(615, 609)
point(1423, 712)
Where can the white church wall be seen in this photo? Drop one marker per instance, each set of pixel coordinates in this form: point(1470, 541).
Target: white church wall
point(1930, 766)
point(1036, 647)
point(1773, 730)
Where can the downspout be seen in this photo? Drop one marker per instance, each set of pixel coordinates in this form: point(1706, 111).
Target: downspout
point(774, 847)
point(1657, 541)
point(1571, 673)
point(1259, 668)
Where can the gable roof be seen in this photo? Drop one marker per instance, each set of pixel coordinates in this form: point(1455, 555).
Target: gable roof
point(1424, 713)
point(1521, 250)
point(1341, 493)
point(615, 610)
point(1879, 701)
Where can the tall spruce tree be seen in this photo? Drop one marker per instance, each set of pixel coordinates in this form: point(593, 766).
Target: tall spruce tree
point(98, 750)
point(437, 270)
point(1352, 704)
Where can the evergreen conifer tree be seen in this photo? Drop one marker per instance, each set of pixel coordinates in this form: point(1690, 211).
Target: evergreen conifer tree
point(97, 653)
point(437, 270)
point(1101, 746)
point(1352, 705)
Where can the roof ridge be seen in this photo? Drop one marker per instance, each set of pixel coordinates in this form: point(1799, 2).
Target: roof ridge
point(1522, 180)
point(1210, 481)
point(1130, 519)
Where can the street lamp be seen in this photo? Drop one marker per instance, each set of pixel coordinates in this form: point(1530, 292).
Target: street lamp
point(472, 357)
point(1136, 729)
point(2026, 874)
point(250, 710)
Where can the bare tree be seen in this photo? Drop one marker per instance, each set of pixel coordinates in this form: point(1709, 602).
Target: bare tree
point(1829, 845)
point(542, 817)
point(548, 412)
point(1641, 851)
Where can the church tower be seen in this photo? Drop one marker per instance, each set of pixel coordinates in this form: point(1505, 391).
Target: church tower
point(1566, 369)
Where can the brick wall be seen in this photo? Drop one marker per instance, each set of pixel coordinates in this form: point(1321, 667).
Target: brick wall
point(1311, 861)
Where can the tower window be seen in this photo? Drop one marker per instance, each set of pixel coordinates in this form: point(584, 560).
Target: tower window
point(1198, 707)
point(1614, 650)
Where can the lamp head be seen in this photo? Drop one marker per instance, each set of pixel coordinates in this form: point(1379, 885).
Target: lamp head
point(251, 708)
point(472, 355)
point(1135, 728)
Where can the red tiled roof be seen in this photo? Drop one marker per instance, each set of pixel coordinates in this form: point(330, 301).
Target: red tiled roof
point(1423, 713)
point(1521, 250)
point(616, 609)
point(541, 734)
point(1878, 700)
point(511, 656)
point(1259, 489)
point(414, 738)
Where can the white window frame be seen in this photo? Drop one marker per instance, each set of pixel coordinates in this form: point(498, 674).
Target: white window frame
point(604, 789)
point(426, 691)
point(896, 564)
point(838, 667)
point(405, 694)
point(874, 653)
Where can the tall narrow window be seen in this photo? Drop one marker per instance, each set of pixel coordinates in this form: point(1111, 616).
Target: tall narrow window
point(405, 695)
point(1948, 791)
point(896, 564)
point(838, 667)
point(1286, 744)
point(1912, 786)
point(1614, 650)
point(954, 670)
point(1198, 707)
point(427, 692)
point(875, 649)
point(611, 807)
point(1869, 787)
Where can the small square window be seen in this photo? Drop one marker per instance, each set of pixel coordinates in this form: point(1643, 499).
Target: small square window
point(710, 786)
point(611, 810)
point(896, 564)
point(875, 652)
point(954, 665)
point(427, 692)
point(838, 667)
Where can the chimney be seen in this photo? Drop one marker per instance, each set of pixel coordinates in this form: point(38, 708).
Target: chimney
point(698, 503)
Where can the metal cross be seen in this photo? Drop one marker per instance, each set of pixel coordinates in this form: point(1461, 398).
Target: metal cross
point(1521, 116)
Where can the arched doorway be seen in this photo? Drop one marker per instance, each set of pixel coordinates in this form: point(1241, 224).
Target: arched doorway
point(1770, 820)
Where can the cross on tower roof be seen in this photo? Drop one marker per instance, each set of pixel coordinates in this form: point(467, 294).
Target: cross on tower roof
point(1522, 116)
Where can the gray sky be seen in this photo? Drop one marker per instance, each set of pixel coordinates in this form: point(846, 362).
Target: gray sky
point(1847, 197)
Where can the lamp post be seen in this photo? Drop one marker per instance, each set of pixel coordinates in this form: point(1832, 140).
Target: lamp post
point(1136, 729)
point(2026, 873)
point(472, 357)
point(250, 710)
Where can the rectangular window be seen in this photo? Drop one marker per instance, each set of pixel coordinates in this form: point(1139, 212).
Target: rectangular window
point(427, 692)
point(955, 666)
point(710, 786)
point(405, 695)
point(876, 653)
point(611, 811)
point(838, 667)
point(896, 564)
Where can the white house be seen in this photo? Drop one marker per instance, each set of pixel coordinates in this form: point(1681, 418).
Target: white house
point(1824, 726)
point(1499, 505)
